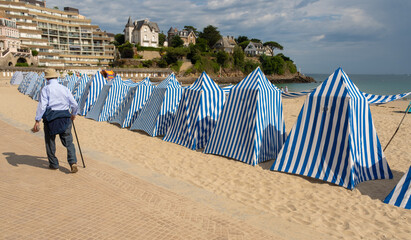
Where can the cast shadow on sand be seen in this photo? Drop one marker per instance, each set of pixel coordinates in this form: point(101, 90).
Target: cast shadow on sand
point(34, 161)
point(375, 189)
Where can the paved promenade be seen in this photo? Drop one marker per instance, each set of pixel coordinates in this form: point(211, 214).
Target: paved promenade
point(98, 202)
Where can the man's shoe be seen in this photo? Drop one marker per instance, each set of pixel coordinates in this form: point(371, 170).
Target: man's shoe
point(73, 168)
point(53, 168)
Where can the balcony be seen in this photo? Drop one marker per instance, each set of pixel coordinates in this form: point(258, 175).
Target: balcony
point(73, 35)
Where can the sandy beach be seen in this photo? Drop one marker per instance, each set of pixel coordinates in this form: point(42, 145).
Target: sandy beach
point(310, 207)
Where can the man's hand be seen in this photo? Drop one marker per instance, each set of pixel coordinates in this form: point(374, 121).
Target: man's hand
point(73, 117)
point(36, 127)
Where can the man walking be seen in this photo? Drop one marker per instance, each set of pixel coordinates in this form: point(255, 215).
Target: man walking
point(54, 104)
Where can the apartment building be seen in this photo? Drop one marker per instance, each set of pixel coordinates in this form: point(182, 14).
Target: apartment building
point(63, 38)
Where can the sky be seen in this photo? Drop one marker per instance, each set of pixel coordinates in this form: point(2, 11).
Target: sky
point(361, 36)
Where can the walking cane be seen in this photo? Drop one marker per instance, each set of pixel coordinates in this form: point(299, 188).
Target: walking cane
point(78, 143)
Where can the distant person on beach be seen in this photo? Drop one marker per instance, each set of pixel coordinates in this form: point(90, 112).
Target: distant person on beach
point(54, 104)
point(286, 89)
point(282, 89)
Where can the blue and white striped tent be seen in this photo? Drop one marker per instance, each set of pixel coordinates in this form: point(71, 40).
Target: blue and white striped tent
point(30, 85)
point(17, 78)
point(251, 125)
point(134, 101)
point(400, 196)
point(72, 80)
point(36, 95)
point(334, 138)
point(109, 99)
point(381, 99)
point(40, 82)
point(197, 114)
point(26, 81)
point(158, 113)
point(116, 95)
point(90, 95)
point(80, 87)
point(296, 94)
point(65, 80)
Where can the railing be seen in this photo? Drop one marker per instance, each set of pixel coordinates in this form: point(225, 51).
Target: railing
point(5, 52)
point(23, 50)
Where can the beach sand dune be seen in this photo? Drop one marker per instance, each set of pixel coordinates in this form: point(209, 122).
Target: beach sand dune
point(325, 208)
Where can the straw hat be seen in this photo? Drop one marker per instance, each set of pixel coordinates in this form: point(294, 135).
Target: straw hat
point(50, 73)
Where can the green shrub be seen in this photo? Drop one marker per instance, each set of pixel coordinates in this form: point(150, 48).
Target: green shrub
point(188, 72)
point(176, 66)
point(147, 63)
point(140, 48)
point(22, 64)
point(291, 66)
point(34, 52)
point(249, 66)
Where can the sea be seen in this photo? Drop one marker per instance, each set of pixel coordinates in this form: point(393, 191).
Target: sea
point(373, 84)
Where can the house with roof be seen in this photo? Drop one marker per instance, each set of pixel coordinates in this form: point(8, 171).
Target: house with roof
point(226, 43)
point(187, 36)
point(142, 32)
point(256, 49)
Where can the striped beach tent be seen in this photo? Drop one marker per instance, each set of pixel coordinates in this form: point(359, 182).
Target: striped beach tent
point(134, 101)
point(227, 90)
point(17, 78)
point(158, 113)
point(65, 80)
point(109, 99)
point(334, 138)
point(36, 96)
point(381, 99)
point(197, 114)
point(30, 85)
point(90, 95)
point(37, 85)
point(72, 80)
point(400, 196)
point(296, 94)
point(26, 81)
point(251, 125)
point(80, 87)
point(41, 81)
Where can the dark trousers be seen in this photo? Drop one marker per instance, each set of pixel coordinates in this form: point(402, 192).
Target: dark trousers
point(67, 141)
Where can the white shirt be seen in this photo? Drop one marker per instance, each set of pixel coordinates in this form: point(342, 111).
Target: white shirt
point(57, 97)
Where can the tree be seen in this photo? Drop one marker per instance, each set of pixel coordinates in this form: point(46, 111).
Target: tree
point(272, 65)
point(211, 34)
point(256, 40)
point(241, 39)
point(222, 58)
point(273, 45)
point(191, 28)
point(238, 57)
point(176, 41)
point(119, 39)
point(34, 52)
point(161, 39)
point(244, 44)
point(127, 53)
point(126, 50)
point(202, 45)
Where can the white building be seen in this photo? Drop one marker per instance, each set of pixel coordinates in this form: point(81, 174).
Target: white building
point(142, 32)
point(256, 49)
